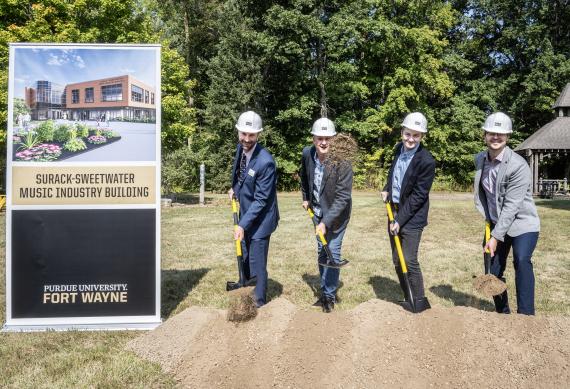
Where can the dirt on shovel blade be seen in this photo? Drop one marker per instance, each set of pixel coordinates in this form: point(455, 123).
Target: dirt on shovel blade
point(343, 148)
point(242, 306)
point(489, 285)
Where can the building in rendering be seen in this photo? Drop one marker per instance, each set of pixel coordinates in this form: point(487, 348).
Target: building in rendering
point(46, 99)
point(116, 98)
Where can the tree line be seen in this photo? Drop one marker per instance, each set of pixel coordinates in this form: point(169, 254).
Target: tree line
point(362, 63)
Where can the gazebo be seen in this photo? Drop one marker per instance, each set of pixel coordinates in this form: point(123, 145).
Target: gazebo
point(547, 150)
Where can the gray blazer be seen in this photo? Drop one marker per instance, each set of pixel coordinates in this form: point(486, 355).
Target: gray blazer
point(515, 207)
point(336, 190)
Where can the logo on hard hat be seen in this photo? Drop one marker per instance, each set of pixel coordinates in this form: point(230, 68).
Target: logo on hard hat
point(324, 128)
point(249, 124)
point(498, 124)
point(418, 123)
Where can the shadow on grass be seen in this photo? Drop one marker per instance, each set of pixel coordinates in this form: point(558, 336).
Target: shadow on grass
point(314, 282)
point(386, 289)
point(554, 204)
point(176, 284)
point(461, 299)
point(274, 289)
point(188, 198)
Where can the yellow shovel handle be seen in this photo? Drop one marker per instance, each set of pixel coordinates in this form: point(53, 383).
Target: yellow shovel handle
point(487, 234)
point(317, 232)
point(397, 240)
point(235, 211)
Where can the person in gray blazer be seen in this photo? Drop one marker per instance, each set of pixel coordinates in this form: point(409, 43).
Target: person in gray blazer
point(327, 190)
point(503, 195)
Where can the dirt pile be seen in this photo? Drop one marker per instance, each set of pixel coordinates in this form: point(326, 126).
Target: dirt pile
point(376, 344)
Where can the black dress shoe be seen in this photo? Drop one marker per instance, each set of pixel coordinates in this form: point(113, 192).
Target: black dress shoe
point(328, 305)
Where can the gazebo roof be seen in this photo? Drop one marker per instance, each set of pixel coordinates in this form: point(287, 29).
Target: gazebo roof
point(564, 99)
point(553, 136)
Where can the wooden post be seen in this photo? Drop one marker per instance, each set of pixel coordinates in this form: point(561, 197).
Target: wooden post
point(202, 182)
point(535, 171)
point(531, 163)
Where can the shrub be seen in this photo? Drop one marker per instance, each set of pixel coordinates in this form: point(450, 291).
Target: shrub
point(29, 140)
point(83, 130)
point(61, 133)
point(180, 171)
point(108, 133)
point(46, 131)
point(75, 144)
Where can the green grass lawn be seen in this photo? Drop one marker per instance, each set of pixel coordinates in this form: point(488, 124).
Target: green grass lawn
point(198, 257)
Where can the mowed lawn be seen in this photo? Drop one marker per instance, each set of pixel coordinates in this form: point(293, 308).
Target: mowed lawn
point(198, 258)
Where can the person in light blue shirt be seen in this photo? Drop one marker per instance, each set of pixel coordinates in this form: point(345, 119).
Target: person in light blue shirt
point(407, 188)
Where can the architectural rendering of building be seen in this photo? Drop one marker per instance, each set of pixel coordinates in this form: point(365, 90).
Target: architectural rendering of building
point(46, 100)
point(116, 98)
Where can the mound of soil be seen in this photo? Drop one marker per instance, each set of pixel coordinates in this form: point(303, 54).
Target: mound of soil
point(376, 344)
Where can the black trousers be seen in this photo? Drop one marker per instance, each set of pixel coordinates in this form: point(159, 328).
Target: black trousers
point(410, 241)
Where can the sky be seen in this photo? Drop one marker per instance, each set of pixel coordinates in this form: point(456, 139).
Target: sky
point(69, 65)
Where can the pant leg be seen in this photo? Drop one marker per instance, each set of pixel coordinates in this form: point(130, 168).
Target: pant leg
point(523, 247)
point(396, 261)
point(498, 265)
point(256, 254)
point(321, 258)
point(330, 276)
point(410, 240)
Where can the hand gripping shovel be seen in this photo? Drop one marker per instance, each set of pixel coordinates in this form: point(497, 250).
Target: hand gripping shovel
point(415, 305)
point(488, 284)
point(330, 260)
point(232, 285)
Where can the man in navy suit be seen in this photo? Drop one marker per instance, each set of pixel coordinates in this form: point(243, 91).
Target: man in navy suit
point(407, 187)
point(254, 185)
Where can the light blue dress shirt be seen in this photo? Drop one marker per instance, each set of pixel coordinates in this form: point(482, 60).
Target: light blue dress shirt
point(402, 164)
point(319, 172)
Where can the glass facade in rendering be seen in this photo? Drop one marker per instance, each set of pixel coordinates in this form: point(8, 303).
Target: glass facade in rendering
point(112, 92)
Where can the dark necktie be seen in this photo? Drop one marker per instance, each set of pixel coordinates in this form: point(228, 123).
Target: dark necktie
point(242, 165)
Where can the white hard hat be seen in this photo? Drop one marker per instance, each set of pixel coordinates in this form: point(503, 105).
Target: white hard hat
point(249, 122)
point(323, 127)
point(498, 123)
point(415, 121)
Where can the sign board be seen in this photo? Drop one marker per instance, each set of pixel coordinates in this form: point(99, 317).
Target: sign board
point(83, 187)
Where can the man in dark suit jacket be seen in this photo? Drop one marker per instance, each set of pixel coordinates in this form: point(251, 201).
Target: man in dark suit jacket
point(327, 189)
point(254, 184)
point(409, 182)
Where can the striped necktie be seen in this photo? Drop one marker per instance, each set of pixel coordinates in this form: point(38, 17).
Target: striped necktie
point(242, 165)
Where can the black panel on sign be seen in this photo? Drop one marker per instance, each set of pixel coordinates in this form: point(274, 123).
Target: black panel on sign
point(106, 257)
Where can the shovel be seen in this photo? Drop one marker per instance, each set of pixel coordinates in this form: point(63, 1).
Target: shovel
point(415, 305)
point(330, 260)
point(488, 284)
point(243, 281)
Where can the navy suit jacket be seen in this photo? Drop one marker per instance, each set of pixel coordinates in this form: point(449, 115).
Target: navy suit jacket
point(257, 193)
point(414, 194)
point(335, 196)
